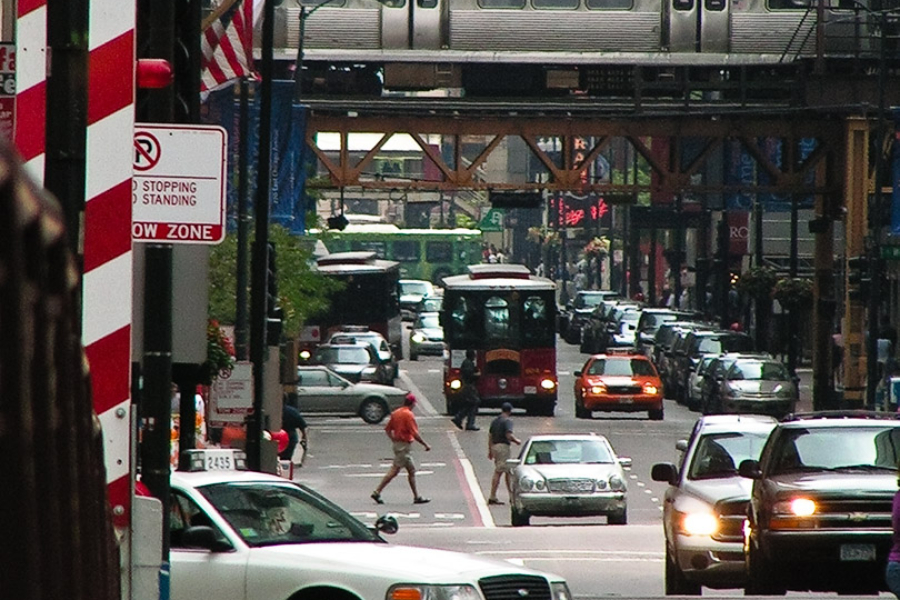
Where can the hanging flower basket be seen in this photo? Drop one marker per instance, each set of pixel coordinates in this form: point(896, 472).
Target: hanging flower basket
point(794, 292)
point(758, 283)
point(543, 236)
point(219, 353)
point(599, 247)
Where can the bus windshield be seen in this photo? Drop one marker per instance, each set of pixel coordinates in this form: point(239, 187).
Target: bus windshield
point(491, 318)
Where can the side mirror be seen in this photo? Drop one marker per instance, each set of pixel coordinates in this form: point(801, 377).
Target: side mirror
point(204, 537)
point(749, 468)
point(577, 373)
point(513, 462)
point(624, 461)
point(667, 472)
point(681, 445)
point(387, 524)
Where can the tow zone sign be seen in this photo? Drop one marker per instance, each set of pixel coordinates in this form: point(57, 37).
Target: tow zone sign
point(178, 183)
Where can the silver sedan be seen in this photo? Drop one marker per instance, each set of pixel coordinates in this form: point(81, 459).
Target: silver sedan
point(568, 475)
point(321, 390)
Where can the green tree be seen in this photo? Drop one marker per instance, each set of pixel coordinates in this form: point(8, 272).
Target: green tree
point(302, 292)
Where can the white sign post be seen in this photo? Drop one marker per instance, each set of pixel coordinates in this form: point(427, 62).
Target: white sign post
point(178, 183)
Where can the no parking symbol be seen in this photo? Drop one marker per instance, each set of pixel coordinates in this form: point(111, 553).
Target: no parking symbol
point(147, 151)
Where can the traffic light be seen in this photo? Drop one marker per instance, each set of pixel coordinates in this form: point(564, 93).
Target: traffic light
point(859, 278)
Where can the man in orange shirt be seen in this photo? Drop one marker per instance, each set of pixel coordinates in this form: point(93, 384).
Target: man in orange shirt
point(403, 430)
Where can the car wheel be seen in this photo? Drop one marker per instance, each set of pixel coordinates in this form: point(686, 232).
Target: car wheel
point(581, 412)
point(585, 346)
point(373, 410)
point(656, 414)
point(676, 583)
point(519, 518)
point(763, 578)
point(620, 517)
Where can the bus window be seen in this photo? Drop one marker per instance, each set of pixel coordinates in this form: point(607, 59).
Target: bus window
point(406, 251)
point(536, 326)
point(610, 4)
point(496, 318)
point(379, 248)
point(438, 252)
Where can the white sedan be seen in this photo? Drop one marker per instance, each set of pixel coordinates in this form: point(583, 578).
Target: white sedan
point(241, 535)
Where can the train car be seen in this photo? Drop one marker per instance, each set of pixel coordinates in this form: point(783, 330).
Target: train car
point(524, 45)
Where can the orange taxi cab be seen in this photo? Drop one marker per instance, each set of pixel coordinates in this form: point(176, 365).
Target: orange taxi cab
point(618, 382)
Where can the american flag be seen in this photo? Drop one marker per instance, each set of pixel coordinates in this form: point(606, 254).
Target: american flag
point(227, 44)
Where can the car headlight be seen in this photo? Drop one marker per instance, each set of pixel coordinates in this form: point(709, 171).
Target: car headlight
point(560, 591)
point(650, 389)
point(304, 354)
point(734, 393)
point(798, 507)
point(526, 484)
point(597, 388)
point(418, 338)
point(540, 485)
point(455, 384)
point(602, 484)
point(408, 591)
point(548, 384)
point(699, 523)
point(616, 483)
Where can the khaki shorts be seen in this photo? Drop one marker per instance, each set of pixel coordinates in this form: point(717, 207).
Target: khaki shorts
point(402, 456)
point(501, 455)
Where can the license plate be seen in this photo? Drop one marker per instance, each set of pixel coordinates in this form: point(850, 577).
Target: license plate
point(858, 552)
point(531, 389)
point(626, 400)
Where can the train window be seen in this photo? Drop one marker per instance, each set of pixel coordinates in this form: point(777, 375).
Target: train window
point(610, 4)
point(426, 3)
point(715, 5)
point(683, 4)
point(788, 4)
point(406, 250)
point(501, 3)
point(555, 4)
point(330, 3)
point(393, 3)
point(438, 251)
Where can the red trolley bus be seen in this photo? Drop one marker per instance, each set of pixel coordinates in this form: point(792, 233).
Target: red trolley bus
point(507, 315)
point(370, 297)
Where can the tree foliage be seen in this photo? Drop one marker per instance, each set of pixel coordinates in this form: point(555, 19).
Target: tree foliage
point(302, 292)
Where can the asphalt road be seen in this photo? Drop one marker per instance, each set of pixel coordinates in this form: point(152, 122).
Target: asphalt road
point(347, 458)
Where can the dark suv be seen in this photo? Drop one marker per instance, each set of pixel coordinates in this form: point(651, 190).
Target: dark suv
point(820, 507)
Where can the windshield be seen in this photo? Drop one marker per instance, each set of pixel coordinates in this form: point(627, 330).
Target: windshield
point(718, 455)
point(417, 288)
point(621, 366)
point(351, 355)
point(558, 452)
point(759, 371)
point(588, 300)
point(832, 448)
point(430, 321)
point(721, 345)
point(265, 514)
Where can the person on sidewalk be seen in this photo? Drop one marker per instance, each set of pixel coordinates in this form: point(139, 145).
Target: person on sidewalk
point(470, 400)
point(402, 430)
point(499, 440)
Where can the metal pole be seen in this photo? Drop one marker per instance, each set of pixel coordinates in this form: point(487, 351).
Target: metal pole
point(793, 346)
point(260, 261)
point(241, 334)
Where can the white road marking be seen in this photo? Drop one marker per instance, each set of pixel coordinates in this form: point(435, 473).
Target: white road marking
point(472, 482)
point(454, 516)
point(641, 484)
point(435, 370)
point(426, 406)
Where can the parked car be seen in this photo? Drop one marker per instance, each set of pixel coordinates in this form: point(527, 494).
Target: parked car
point(426, 336)
point(412, 291)
point(321, 390)
point(618, 382)
point(238, 534)
point(579, 308)
point(697, 379)
point(650, 322)
point(622, 331)
point(595, 330)
point(352, 333)
point(698, 343)
point(706, 502)
point(711, 400)
point(757, 385)
point(820, 507)
point(355, 361)
point(665, 339)
point(568, 475)
point(429, 304)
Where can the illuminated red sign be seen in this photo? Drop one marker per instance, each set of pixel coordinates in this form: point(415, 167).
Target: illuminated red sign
point(590, 210)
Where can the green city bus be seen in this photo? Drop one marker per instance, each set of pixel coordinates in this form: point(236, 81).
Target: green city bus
point(430, 254)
